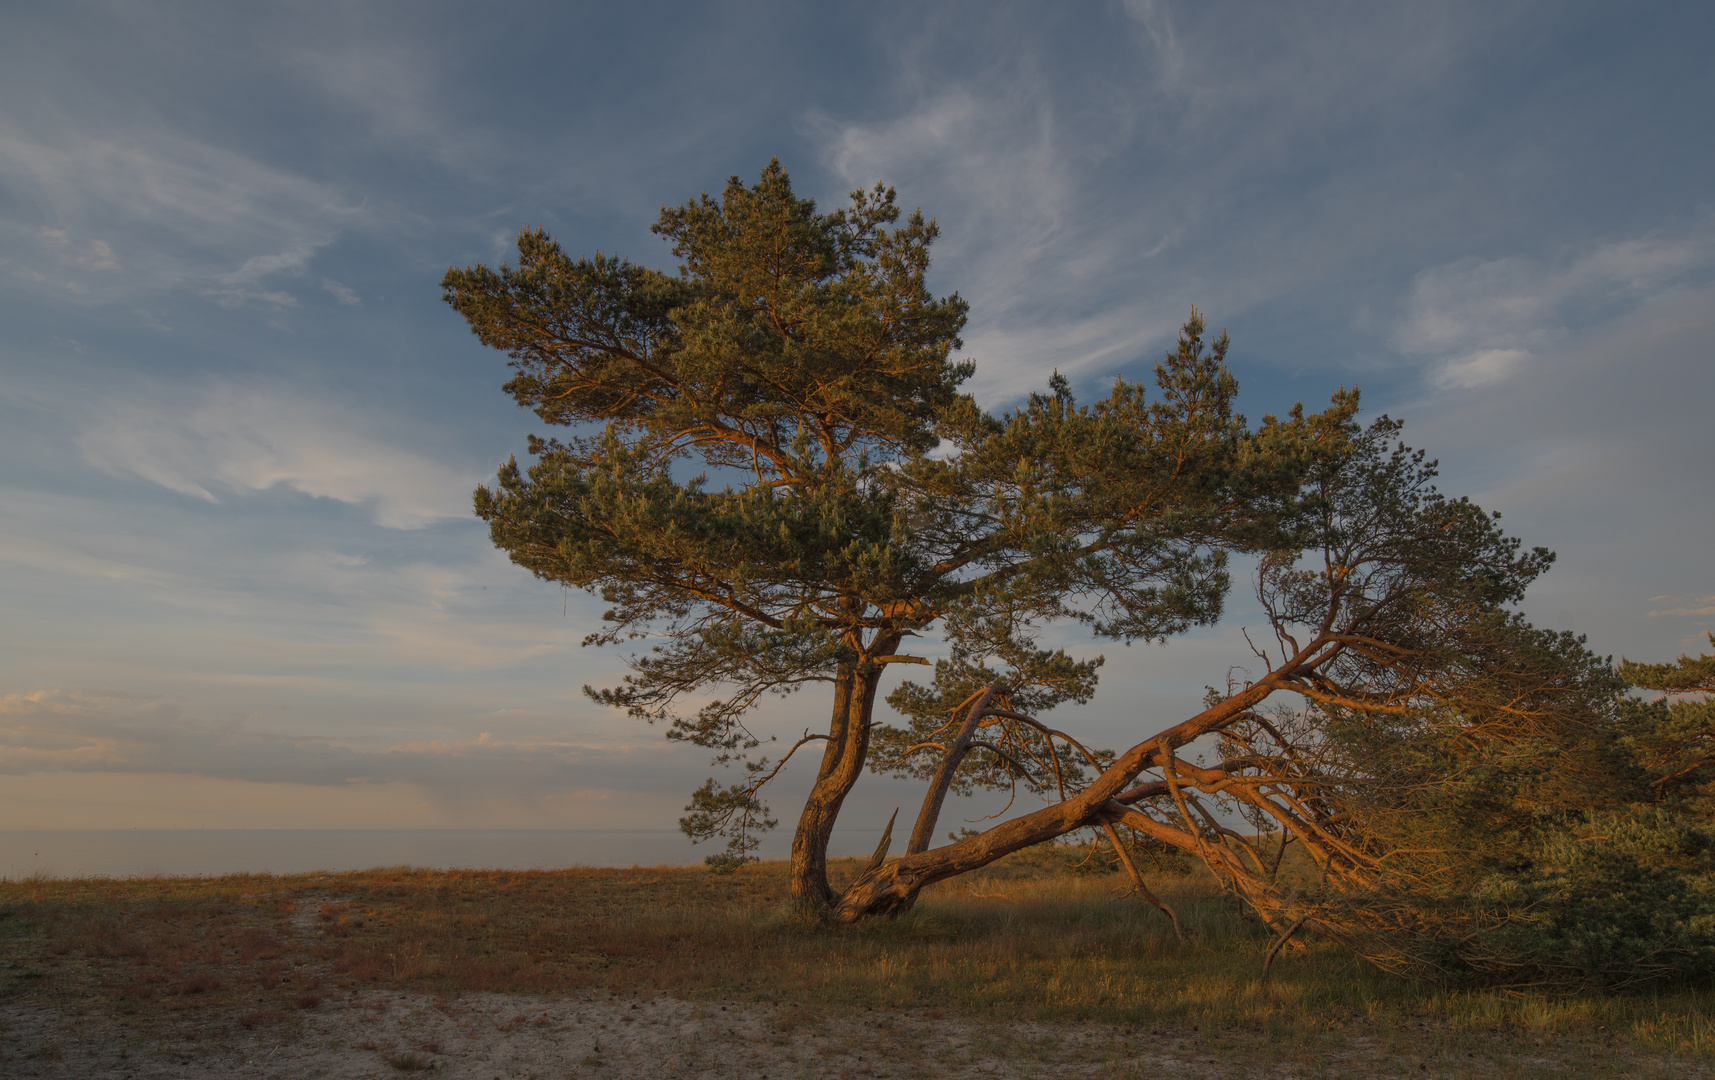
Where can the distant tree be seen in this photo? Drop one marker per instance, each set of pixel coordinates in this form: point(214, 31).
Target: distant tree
point(1687, 675)
point(775, 478)
point(1674, 735)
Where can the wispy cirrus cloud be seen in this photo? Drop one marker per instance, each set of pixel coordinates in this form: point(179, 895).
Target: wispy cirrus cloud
point(345, 294)
point(1156, 18)
point(1693, 606)
point(1020, 237)
point(183, 213)
point(1479, 321)
point(89, 254)
point(249, 437)
point(245, 285)
point(1089, 206)
point(402, 91)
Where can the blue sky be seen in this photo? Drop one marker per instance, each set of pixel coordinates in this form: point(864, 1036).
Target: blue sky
point(239, 430)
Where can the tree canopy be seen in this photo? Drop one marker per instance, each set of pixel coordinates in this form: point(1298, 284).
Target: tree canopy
point(774, 477)
point(1673, 735)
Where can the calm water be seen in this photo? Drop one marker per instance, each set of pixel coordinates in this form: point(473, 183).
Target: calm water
point(209, 852)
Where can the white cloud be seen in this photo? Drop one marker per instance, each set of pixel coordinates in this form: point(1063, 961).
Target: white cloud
point(191, 214)
point(251, 438)
point(400, 87)
point(999, 153)
point(1157, 22)
point(1477, 322)
point(1478, 368)
point(1704, 605)
point(242, 286)
point(1019, 241)
point(1012, 360)
point(89, 254)
point(343, 293)
point(239, 297)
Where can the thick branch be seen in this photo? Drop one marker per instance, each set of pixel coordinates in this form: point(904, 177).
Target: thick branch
point(924, 829)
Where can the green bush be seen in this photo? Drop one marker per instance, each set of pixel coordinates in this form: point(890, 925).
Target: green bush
point(1609, 901)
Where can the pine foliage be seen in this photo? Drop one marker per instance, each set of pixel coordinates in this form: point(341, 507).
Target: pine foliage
point(773, 477)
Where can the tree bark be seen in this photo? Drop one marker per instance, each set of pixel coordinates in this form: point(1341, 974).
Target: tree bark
point(893, 888)
point(924, 831)
point(842, 764)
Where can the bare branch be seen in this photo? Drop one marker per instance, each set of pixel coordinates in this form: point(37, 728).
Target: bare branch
point(1137, 879)
point(998, 752)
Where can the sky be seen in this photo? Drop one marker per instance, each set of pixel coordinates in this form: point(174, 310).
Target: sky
point(240, 579)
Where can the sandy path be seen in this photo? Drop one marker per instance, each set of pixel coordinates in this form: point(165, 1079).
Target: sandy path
point(499, 1037)
point(503, 1037)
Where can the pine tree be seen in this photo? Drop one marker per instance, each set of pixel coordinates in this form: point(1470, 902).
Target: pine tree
point(772, 475)
point(1687, 675)
point(1674, 734)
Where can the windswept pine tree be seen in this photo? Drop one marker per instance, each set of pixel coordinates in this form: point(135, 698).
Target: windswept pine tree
point(772, 475)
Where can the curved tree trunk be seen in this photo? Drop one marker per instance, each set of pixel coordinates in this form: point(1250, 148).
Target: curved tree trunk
point(842, 764)
point(891, 888)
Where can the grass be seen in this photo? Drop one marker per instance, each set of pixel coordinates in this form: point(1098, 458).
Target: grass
point(1024, 941)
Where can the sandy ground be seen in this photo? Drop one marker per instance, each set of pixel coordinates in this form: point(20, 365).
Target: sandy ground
point(505, 1036)
point(501, 1037)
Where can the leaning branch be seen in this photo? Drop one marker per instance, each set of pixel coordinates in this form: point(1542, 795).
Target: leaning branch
point(943, 778)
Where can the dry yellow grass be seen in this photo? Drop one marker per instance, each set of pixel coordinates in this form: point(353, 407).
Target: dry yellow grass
point(1026, 941)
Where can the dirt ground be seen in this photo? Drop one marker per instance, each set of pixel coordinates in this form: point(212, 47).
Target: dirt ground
point(501, 1037)
point(351, 1032)
point(494, 1036)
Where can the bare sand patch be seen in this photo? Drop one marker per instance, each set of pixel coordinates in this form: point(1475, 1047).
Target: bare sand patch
point(506, 1036)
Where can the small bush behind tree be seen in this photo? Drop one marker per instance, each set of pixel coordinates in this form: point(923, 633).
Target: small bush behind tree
point(1537, 847)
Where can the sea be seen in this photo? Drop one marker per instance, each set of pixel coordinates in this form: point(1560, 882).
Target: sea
point(125, 853)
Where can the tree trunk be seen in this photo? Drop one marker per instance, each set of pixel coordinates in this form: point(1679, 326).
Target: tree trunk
point(923, 833)
point(893, 887)
point(842, 764)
